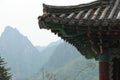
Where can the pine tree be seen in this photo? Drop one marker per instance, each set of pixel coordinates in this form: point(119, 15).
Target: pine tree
point(4, 74)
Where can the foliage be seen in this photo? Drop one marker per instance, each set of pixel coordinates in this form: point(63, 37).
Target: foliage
point(46, 75)
point(4, 75)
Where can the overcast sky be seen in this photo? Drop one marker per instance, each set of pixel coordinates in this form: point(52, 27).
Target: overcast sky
point(22, 14)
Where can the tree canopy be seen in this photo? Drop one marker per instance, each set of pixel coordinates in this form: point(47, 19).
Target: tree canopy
point(4, 74)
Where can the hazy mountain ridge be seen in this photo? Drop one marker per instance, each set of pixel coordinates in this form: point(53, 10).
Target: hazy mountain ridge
point(19, 53)
point(48, 51)
point(67, 63)
point(78, 69)
point(59, 58)
point(62, 55)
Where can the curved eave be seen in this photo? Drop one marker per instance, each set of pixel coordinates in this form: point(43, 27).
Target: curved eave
point(69, 9)
point(98, 13)
point(105, 24)
point(86, 25)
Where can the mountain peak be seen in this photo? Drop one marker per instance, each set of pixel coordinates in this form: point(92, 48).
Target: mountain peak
point(10, 32)
point(10, 29)
point(18, 51)
point(12, 36)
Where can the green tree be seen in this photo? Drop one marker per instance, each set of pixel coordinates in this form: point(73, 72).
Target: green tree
point(4, 74)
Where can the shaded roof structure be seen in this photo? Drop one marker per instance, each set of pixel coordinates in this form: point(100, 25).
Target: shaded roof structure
point(97, 13)
point(93, 28)
point(86, 26)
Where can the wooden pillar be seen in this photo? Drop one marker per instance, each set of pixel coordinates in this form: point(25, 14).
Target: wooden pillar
point(104, 70)
point(116, 69)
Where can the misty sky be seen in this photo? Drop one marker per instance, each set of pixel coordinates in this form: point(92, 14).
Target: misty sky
point(22, 14)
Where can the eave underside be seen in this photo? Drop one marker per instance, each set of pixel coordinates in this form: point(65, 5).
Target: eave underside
point(92, 28)
point(98, 44)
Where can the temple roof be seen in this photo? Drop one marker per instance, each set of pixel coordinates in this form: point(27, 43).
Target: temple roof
point(100, 12)
point(92, 28)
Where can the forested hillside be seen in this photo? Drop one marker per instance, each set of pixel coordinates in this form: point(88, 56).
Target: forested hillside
point(67, 63)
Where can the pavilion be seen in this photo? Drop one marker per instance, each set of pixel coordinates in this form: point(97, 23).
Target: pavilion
point(93, 28)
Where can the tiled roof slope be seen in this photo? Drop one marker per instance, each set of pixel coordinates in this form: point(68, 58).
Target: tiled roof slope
point(100, 12)
point(92, 28)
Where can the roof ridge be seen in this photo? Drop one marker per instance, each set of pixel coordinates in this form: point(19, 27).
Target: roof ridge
point(62, 9)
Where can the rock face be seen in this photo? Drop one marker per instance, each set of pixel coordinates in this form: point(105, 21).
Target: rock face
point(19, 53)
point(48, 51)
point(25, 60)
point(61, 55)
point(66, 63)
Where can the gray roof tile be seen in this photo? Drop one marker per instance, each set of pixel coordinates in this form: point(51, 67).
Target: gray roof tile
point(98, 12)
